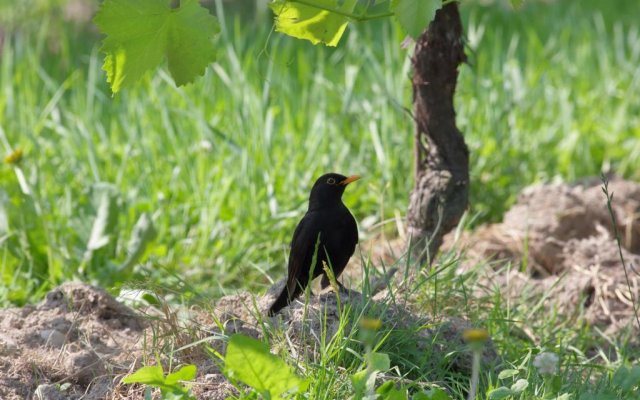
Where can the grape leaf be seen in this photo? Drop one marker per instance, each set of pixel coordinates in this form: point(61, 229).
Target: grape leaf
point(141, 33)
point(415, 15)
point(316, 24)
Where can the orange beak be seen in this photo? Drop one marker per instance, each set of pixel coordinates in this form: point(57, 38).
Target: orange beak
point(350, 179)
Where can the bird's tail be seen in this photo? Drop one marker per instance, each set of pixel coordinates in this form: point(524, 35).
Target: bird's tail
point(286, 296)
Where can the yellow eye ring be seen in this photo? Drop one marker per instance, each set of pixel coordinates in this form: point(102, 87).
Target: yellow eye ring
point(331, 181)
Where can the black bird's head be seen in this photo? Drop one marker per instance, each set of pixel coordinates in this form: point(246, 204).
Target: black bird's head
point(328, 189)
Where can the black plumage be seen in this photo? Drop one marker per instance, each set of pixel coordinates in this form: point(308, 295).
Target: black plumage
point(327, 224)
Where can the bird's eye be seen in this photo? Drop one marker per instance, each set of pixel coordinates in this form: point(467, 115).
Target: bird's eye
point(331, 181)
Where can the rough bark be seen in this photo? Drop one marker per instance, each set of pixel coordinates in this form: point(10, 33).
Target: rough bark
point(441, 191)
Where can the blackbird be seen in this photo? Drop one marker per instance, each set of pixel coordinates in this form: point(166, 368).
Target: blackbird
point(329, 227)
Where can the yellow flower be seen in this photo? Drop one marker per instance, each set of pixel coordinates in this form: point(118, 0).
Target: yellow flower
point(370, 324)
point(14, 157)
point(475, 335)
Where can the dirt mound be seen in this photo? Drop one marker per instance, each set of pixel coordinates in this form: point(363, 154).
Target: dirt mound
point(559, 239)
point(79, 342)
point(306, 321)
point(78, 334)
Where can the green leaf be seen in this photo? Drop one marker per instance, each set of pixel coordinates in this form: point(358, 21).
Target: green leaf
point(516, 4)
point(366, 379)
point(432, 394)
point(507, 373)
point(104, 225)
point(519, 386)
point(151, 298)
point(318, 25)
point(415, 15)
point(361, 380)
point(141, 33)
point(143, 233)
point(190, 49)
point(620, 376)
point(380, 362)
point(499, 393)
point(250, 361)
point(149, 375)
point(387, 391)
point(604, 395)
point(626, 378)
point(186, 373)
point(176, 394)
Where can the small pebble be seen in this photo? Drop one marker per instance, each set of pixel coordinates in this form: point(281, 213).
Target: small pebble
point(7, 346)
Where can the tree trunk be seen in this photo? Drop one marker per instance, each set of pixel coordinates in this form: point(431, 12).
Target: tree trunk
point(441, 191)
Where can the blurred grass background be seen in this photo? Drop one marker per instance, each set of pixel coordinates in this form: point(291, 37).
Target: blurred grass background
point(223, 167)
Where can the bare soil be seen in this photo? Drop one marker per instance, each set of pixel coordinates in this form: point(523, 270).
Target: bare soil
point(79, 341)
point(560, 243)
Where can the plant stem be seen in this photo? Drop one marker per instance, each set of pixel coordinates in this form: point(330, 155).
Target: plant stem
point(475, 374)
point(605, 189)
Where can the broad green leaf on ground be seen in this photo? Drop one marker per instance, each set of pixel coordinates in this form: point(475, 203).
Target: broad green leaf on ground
point(316, 24)
point(362, 381)
point(627, 378)
point(380, 361)
point(415, 15)
point(250, 361)
point(142, 33)
point(149, 375)
point(387, 391)
point(153, 375)
point(366, 379)
point(186, 373)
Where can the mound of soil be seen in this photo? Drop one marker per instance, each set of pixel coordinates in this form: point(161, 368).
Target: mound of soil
point(78, 335)
point(560, 241)
point(80, 342)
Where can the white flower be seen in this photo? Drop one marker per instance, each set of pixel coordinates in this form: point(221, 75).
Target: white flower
point(546, 363)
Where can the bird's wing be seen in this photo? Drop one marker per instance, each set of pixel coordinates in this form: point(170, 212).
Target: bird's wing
point(344, 243)
point(354, 232)
point(302, 248)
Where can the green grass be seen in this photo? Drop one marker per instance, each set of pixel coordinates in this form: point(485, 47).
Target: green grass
point(224, 166)
point(550, 93)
